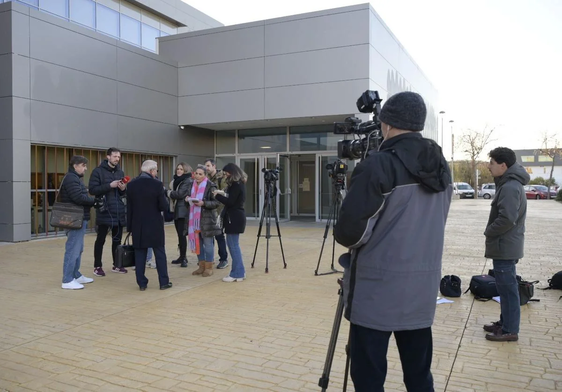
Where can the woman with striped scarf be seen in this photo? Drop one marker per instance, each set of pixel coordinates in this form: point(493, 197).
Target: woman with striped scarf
point(202, 227)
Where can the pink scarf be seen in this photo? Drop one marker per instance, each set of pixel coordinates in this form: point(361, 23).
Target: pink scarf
point(194, 228)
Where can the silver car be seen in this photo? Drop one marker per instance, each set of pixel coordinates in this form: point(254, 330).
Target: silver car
point(488, 191)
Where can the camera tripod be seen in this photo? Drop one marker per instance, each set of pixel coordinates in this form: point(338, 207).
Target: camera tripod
point(268, 207)
point(325, 379)
point(332, 219)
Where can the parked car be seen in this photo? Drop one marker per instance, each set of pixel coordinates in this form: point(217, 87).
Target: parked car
point(544, 189)
point(488, 191)
point(464, 190)
point(534, 192)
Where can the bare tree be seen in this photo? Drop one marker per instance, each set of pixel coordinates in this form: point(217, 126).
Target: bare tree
point(551, 148)
point(473, 143)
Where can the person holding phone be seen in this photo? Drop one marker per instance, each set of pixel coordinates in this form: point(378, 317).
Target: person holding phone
point(234, 218)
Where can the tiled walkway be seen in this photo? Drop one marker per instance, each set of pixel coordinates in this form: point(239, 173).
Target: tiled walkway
point(269, 333)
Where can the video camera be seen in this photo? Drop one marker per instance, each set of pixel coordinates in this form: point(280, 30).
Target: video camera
point(337, 172)
point(368, 102)
point(271, 175)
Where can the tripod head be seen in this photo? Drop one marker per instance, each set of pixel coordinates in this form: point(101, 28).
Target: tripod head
point(270, 177)
point(337, 172)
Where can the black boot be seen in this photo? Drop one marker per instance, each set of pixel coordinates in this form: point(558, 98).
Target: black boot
point(184, 263)
point(177, 261)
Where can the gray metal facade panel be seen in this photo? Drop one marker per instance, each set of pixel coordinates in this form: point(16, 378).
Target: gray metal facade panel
point(327, 31)
point(222, 107)
point(146, 104)
point(22, 165)
point(7, 205)
point(67, 86)
point(320, 66)
point(66, 47)
point(71, 126)
point(21, 126)
point(5, 32)
point(20, 33)
point(321, 99)
point(136, 69)
point(216, 47)
point(6, 157)
point(221, 77)
point(5, 74)
point(20, 76)
point(21, 205)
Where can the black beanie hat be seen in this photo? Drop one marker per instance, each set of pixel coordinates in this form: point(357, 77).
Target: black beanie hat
point(405, 110)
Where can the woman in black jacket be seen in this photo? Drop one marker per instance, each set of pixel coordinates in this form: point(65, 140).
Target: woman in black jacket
point(74, 191)
point(178, 191)
point(234, 218)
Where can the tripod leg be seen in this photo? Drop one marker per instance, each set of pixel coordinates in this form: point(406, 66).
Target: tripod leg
point(336, 213)
point(267, 234)
point(259, 233)
point(280, 242)
point(325, 379)
point(324, 240)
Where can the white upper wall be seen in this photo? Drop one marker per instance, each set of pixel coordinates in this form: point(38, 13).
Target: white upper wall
point(304, 66)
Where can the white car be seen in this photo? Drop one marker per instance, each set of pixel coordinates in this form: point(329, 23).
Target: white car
point(464, 190)
point(488, 191)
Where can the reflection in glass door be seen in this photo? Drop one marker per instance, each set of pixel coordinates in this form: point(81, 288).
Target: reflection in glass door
point(325, 188)
point(250, 167)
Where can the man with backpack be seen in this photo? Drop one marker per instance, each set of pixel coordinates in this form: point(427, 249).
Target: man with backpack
point(505, 237)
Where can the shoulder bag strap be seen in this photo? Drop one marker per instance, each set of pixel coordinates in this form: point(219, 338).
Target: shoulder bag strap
point(60, 187)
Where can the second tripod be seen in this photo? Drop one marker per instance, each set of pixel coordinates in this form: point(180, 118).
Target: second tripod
point(337, 174)
point(270, 176)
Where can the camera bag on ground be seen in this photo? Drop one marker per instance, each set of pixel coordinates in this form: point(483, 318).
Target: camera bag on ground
point(125, 254)
point(450, 286)
point(526, 292)
point(483, 286)
point(555, 283)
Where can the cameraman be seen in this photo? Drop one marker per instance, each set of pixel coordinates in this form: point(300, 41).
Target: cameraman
point(105, 183)
point(393, 221)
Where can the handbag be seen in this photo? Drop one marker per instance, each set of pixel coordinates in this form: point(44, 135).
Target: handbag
point(526, 292)
point(68, 216)
point(450, 286)
point(125, 254)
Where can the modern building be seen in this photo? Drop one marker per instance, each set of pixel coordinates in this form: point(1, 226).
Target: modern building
point(161, 80)
point(540, 165)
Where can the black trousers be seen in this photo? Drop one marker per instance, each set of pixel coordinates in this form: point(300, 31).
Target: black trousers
point(221, 244)
point(161, 266)
point(368, 349)
point(182, 239)
point(116, 235)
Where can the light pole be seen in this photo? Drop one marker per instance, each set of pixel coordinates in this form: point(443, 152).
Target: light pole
point(442, 129)
point(452, 154)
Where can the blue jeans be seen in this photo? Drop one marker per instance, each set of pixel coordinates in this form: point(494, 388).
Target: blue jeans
point(207, 247)
point(73, 253)
point(221, 244)
point(508, 289)
point(233, 242)
point(368, 349)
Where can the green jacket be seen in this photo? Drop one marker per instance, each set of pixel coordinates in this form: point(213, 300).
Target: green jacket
point(505, 231)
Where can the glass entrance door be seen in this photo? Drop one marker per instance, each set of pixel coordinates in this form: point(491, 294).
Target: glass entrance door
point(255, 186)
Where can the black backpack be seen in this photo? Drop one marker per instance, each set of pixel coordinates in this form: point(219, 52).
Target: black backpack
point(483, 286)
point(450, 286)
point(556, 281)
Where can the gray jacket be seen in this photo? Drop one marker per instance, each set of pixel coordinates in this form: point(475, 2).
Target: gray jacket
point(393, 217)
point(505, 231)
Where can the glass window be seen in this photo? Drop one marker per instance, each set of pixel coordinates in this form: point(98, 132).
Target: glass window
point(149, 35)
point(130, 30)
point(163, 34)
point(83, 12)
point(107, 20)
point(226, 142)
point(528, 158)
point(57, 7)
point(545, 158)
point(34, 3)
point(262, 140)
point(313, 138)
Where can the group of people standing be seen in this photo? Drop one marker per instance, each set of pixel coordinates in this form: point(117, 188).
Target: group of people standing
point(204, 205)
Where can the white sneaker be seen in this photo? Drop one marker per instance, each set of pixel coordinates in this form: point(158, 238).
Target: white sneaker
point(230, 279)
point(82, 279)
point(74, 285)
point(151, 264)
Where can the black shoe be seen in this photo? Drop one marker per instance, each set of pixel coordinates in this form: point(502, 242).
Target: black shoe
point(492, 327)
point(184, 263)
point(166, 286)
point(177, 261)
point(222, 264)
point(142, 288)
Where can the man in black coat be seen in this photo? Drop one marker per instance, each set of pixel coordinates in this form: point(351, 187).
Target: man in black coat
point(106, 182)
point(146, 200)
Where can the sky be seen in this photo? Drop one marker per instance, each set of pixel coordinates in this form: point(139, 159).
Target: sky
point(495, 63)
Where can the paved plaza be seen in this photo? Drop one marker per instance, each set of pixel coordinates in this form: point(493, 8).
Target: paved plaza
point(268, 333)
